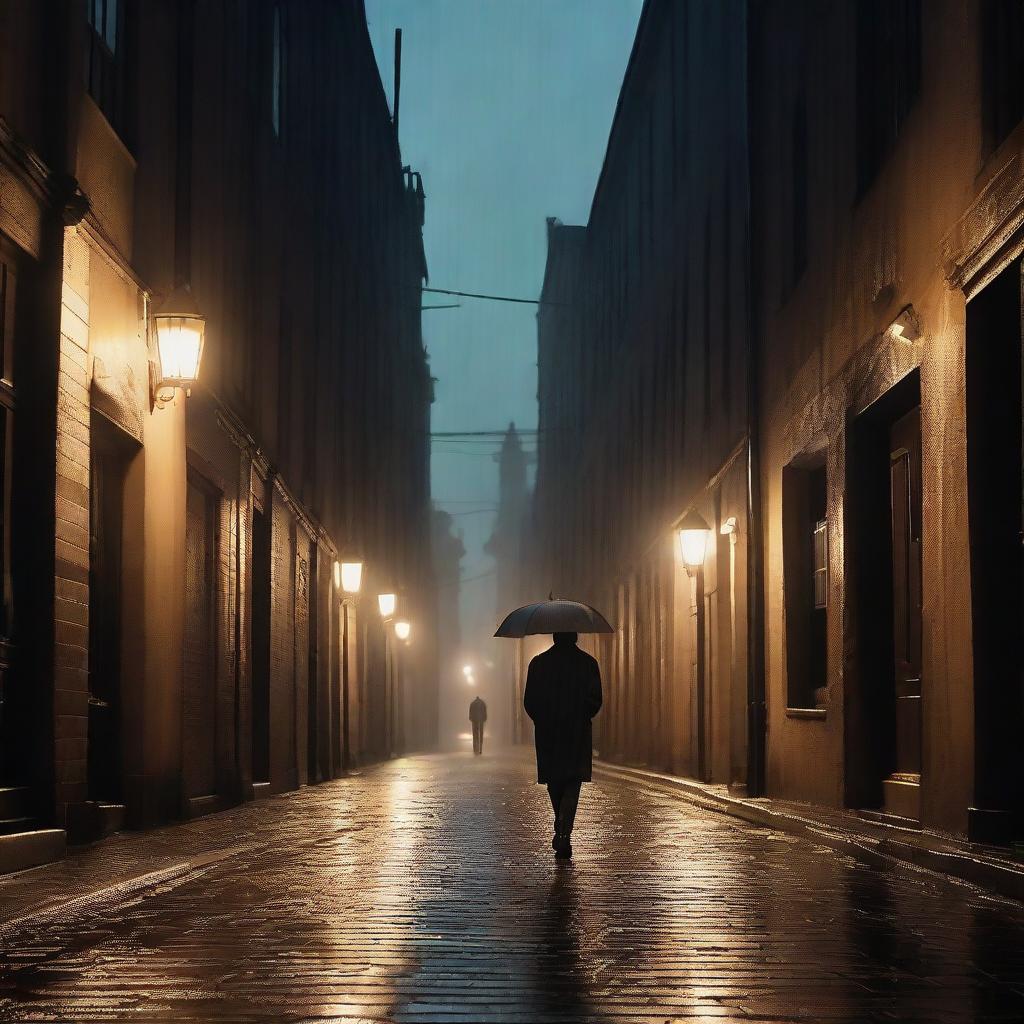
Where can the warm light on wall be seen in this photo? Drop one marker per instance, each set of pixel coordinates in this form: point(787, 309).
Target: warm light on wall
point(693, 536)
point(402, 629)
point(386, 603)
point(351, 577)
point(179, 330)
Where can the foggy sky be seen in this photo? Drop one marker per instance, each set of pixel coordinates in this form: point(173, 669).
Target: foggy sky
point(505, 108)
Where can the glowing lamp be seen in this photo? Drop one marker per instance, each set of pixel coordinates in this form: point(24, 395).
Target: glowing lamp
point(178, 329)
point(693, 539)
point(402, 629)
point(386, 603)
point(351, 576)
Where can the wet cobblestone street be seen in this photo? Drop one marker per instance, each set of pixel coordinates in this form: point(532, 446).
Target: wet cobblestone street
point(425, 890)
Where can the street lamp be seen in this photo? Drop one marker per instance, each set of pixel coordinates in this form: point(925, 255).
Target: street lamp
point(350, 576)
point(386, 603)
point(179, 329)
point(467, 670)
point(693, 535)
point(402, 629)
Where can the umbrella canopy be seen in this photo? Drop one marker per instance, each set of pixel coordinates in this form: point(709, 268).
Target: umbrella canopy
point(553, 617)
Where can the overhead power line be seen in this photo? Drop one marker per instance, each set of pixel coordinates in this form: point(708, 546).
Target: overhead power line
point(491, 298)
point(468, 579)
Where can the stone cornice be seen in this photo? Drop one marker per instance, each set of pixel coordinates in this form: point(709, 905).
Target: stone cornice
point(991, 231)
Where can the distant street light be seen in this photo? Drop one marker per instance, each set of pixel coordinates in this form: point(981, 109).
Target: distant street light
point(179, 329)
point(402, 629)
point(693, 540)
point(386, 603)
point(467, 670)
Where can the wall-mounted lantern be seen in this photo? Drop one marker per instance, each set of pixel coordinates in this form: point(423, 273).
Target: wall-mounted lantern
point(402, 629)
point(387, 603)
point(178, 329)
point(349, 575)
point(907, 326)
point(693, 533)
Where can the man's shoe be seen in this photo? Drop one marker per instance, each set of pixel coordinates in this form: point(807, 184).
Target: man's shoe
point(562, 846)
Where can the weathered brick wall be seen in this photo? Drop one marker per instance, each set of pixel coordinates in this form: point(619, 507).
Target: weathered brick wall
point(71, 542)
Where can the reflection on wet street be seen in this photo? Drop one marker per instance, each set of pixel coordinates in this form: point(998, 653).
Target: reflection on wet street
point(426, 890)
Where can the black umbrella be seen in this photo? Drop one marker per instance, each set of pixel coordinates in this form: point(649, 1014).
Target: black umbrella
point(553, 617)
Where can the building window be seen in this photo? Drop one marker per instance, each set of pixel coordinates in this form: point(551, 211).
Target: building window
point(1002, 67)
point(805, 568)
point(888, 78)
point(104, 64)
point(277, 74)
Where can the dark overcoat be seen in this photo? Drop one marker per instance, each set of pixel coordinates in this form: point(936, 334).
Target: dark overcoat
point(563, 693)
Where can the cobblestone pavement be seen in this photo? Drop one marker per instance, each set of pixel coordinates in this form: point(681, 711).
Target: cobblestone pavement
point(426, 891)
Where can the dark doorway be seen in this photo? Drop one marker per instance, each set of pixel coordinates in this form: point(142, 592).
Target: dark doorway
point(993, 371)
point(259, 659)
point(111, 451)
point(200, 663)
point(883, 567)
point(905, 505)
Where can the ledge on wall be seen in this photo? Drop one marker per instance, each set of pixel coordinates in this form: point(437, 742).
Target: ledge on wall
point(813, 713)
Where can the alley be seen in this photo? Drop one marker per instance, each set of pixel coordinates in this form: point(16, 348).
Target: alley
point(425, 890)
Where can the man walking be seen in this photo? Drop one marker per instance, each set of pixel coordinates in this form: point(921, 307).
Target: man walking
point(563, 693)
point(478, 715)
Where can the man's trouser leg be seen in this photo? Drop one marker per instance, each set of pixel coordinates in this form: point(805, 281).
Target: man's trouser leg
point(477, 737)
point(566, 814)
point(565, 797)
point(555, 795)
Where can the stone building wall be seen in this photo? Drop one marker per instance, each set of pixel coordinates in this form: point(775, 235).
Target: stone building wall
point(279, 197)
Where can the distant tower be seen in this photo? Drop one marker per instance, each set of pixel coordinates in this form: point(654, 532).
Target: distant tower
point(505, 544)
point(513, 500)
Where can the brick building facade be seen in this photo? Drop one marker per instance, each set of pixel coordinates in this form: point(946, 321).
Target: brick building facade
point(807, 328)
point(173, 640)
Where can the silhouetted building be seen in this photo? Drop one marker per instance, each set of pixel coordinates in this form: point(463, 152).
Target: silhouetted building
point(172, 637)
point(642, 389)
point(505, 547)
point(448, 550)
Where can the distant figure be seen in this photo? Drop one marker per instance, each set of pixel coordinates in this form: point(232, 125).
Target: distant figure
point(563, 693)
point(478, 715)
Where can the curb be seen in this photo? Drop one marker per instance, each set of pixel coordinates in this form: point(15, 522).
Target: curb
point(880, 852)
